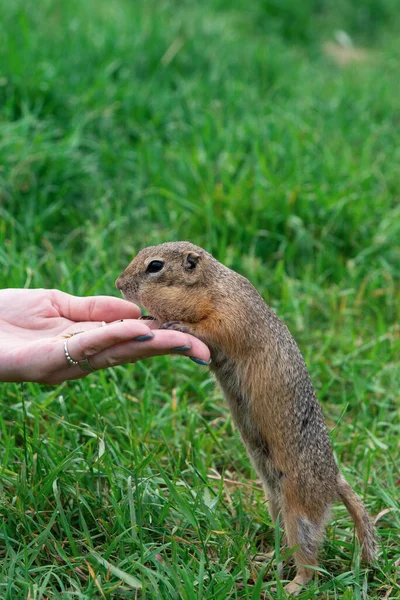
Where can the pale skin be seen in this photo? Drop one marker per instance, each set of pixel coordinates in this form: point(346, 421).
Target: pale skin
point(34, 325)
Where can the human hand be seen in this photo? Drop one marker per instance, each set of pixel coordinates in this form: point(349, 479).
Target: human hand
point(34, 325)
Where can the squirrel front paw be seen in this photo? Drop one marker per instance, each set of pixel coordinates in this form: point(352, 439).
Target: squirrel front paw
point(175, 326)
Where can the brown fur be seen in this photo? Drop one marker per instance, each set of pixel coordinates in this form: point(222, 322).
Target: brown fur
point(265, 381)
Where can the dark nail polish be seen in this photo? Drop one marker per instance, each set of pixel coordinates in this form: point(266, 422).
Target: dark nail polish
point(143, 338)
point(198, 361)
point(181, 348)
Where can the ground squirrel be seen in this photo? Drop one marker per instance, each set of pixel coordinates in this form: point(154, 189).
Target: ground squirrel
point(266, 383)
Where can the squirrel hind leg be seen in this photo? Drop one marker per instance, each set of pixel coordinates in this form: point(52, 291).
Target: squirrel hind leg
point(304, 527)
point(274, 501)
point(306, 534)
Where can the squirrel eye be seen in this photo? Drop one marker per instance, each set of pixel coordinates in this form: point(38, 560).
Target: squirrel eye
point(154, 266)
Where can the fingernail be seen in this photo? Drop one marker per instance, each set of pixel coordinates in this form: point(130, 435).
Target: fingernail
point(143, 338)
point(181, 348)
point(198, 361)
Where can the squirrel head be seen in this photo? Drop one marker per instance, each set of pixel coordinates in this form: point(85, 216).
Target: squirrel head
point(170, 281)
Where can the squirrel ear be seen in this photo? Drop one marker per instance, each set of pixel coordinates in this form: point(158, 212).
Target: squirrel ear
point(190, 261)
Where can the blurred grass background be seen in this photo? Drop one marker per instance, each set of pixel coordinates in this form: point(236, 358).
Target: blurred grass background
point(267, 132)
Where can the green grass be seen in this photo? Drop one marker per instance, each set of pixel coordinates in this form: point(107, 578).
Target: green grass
point(225, 123)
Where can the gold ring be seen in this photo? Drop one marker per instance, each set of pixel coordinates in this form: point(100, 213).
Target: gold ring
point(86, 366)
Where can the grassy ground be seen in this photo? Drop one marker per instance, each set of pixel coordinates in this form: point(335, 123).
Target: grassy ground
point(245, 128)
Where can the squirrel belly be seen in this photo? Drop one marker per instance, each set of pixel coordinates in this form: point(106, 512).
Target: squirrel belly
point(265, 381)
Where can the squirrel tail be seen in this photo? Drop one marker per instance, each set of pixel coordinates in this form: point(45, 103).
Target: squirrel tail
point(364, 526)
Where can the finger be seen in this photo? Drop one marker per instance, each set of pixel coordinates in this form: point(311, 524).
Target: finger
point(94, 308)
point(96, 340)
point(82, 326)
point(163, 342)
point(153, 324)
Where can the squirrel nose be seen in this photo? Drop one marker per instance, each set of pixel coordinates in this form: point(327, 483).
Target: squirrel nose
point(119, 284)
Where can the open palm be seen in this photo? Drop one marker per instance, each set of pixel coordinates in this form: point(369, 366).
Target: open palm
point(35, 323)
